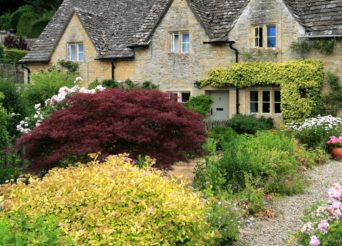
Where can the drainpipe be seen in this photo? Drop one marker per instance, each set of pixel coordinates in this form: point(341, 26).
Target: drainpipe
point(25, 67)
point(237, 53)
point(113, 70)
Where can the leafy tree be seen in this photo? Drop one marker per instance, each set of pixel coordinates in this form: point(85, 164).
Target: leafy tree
point(139, 122)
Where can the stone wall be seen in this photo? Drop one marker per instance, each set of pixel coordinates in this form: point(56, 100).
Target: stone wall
point(12, 72)
point(175, 72)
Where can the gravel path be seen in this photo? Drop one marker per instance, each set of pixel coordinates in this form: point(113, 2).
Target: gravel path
point(289, 210)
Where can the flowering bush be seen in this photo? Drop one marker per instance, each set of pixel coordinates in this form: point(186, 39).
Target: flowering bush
point(335, 141)
point(314, 132)
point(53, 104)
point(113, 203)
point(140, 122)
point(323, 224)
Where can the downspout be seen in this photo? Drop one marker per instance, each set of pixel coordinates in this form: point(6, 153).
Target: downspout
point(25, 67)
point(237, 53)
point(113, 70)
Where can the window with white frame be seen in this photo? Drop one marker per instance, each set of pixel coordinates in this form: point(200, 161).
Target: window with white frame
point(265, 101)
point(270, 34)
point(75, 52)
point(180, 42)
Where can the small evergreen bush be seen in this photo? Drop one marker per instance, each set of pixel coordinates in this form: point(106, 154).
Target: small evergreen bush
point(112, 203)
point(44, 85)
point(250, 124)
point(200, 104)
point(13, 56)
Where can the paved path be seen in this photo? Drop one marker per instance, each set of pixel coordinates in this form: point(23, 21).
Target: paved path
point(289, 210)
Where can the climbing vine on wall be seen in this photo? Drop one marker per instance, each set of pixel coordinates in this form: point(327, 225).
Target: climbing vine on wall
point(301, 83)
point(305, 46)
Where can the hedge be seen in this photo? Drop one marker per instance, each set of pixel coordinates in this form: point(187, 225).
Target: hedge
point(301, 83)
point(13, 56)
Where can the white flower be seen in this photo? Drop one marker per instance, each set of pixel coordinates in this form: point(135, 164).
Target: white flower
point(37, 106)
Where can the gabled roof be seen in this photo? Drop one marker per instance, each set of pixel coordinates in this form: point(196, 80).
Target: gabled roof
point(115, 25)
point(318, 17)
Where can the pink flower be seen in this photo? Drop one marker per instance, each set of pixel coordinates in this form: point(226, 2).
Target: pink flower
point(307, 227)
point(334, 140)
point(323, 226)
point(314, 241)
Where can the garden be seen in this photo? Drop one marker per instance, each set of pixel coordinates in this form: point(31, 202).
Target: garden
point(90, 166)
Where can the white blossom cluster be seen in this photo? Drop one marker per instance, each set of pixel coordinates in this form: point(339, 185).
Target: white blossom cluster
point(26, 125)
point(328, 122)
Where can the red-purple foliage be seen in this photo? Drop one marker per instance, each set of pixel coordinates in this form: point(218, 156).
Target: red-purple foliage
point(115, 121)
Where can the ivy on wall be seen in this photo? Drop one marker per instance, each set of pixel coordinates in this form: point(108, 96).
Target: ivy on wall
point(305, 46)
point(300, 82)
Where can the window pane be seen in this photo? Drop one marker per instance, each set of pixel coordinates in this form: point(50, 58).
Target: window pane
point(266, 96)
point(271, 31)
point(260, 37)
point(185, 97)
point(254, 96)
point(271, 36)
point(277, 108)
point(72, 52)
point(186, 42)
point(271, 42)
point(254, 107)
point(80, 52)
point(277, 97)
point(175, 43)
point(266, 107)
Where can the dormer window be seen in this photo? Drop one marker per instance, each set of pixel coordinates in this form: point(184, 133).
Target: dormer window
point(180, 42)
point(76, 52)
point(270, 34)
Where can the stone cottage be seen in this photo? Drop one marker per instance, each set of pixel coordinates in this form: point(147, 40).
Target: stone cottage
point(174, 43)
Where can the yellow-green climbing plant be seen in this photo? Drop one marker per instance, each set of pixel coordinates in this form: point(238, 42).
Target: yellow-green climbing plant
point(300, 82)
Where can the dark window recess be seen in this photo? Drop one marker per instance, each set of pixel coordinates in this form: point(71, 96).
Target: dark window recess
point(258, 37)
point(277, 102)
point(185, 97)
point(266, 104)
point(254, 102)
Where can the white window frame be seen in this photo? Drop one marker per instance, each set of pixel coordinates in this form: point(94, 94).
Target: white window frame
point(180, 42)
point(261, 101)
point(264, 36)
point(77, 50)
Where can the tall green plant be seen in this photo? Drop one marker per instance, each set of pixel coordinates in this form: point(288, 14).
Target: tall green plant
point(200, 104)
point(44, 85)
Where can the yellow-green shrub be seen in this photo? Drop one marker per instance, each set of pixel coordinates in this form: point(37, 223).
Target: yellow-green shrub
point(300, 83)
point(114, 203)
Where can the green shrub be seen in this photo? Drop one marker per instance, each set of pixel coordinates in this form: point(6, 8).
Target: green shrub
point(2, 53)
point(13, 56)
point(222, 136)
point(70, 66)
point(24, 27)
point(126, 85)
point(10, 166)
point(12, 103)
point(39, 25)
point(200, 104)
point(114, 203)
point(5, 21)
point(268, 157)
point(250, 124)
point(332, 102)
point(21, 230)
point(4, 137)
point(15, 16)
point(223, 217)
point(44, 85)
